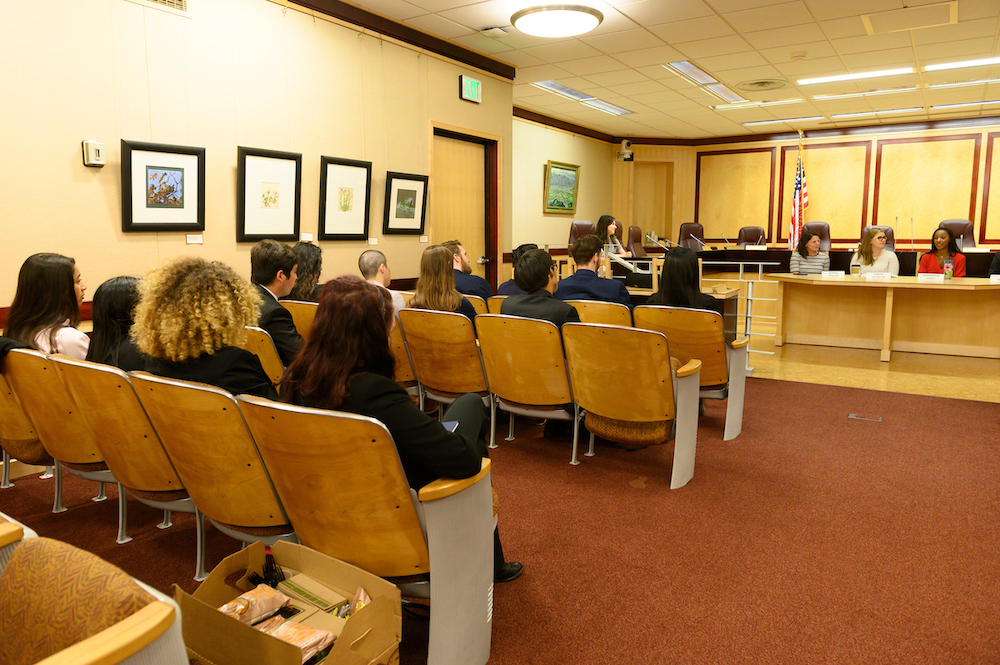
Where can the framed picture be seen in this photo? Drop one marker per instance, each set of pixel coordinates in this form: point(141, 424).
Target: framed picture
point(561, 184)
point(163, 187)
point(345, 189)
point(269, 189)
point(405, 203)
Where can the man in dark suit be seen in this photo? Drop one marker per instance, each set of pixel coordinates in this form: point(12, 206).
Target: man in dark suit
point(538, 277)
point(467, 283)
point(584, 284)
point(273, 271)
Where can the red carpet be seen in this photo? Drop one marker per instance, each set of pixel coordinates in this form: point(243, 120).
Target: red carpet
point(812, 538)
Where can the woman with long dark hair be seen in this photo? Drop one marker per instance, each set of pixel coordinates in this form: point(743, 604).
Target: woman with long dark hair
point(436, 284)
point(46, 307)
point(944, 249)
point(114, 313)
point(607, 231)
point(309, 267)
point(347, 365)
point(679, 284)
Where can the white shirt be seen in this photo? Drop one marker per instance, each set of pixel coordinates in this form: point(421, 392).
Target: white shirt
point(68, 341)
point(886, 262)
point(398, 302)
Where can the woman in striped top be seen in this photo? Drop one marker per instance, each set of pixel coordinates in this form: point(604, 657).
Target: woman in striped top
point(806, 260)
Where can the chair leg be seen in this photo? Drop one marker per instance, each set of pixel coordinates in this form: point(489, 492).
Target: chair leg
point(686, 435)
point(510, 433)
point(199, 573)
point(57, 504)
point(737, 389)
point(589, 453)
point(5, 479)
point(47, 474)
point(493, 421)
point(576, 435)
point(123, 536)
point(102, 494)
point(167, 520)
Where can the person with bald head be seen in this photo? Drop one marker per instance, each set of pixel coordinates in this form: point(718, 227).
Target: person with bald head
point(375, 268)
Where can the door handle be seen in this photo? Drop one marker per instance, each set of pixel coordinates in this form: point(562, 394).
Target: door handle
point(482, 260)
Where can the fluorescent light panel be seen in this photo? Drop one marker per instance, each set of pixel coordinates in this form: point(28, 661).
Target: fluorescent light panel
point(961, 64)
point(870, 93)
point(725, 93)
point(854, 77)
point(788, 120)
point(606, 107)
point(690, 72)
point(962, 84)
point(844, 116)
point(562, 90)
point(955, 106)
point(754, 105)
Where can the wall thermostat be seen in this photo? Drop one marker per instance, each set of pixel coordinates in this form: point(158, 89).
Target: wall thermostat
point(93, 153)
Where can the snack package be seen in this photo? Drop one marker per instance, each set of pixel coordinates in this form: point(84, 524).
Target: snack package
point(310, 640)
point(360, 599)
point(255, 605)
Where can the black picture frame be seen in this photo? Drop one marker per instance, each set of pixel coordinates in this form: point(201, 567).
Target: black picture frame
point(340, 219)
point(405, 204)
point(166, 205)
point(256, 170)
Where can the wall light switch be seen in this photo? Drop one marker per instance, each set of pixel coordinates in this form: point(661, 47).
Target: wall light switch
point(93, 153)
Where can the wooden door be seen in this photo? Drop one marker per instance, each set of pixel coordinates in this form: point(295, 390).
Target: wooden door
point(458, 197)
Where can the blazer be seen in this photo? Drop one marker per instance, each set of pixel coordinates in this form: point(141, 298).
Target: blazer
point(540, 304)
point(230, 368)
point(928, 263)
point(586, 285)
point(509, 288)
point(278, 323)
point(472, 285)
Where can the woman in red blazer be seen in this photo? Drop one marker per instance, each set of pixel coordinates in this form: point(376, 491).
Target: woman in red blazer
point(943, 249)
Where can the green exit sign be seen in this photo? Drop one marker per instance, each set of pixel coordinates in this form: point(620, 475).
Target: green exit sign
point(470, 89)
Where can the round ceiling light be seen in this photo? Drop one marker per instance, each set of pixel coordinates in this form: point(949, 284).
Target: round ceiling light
point(557, 20)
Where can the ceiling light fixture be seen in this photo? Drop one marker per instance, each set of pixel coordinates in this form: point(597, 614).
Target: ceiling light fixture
point(693, 74)
point(842, 116)
point(963, 63)
point(788, 120)
point(869, 93)
point(754, 105)
point(562, 90)
point(725, 93)
point(610, 109)
point(962, 84)
point(955, 106)
point(854, 77)
point(556, 20)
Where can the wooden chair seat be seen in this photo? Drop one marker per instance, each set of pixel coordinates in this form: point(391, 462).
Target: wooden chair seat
point(17, 435)
point(303, 312)
point(494, 304)
point(260, 344)
point(597, 311)
point(478, 304)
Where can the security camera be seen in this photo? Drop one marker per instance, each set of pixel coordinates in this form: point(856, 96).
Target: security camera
point(626, 144)
point(625, 155)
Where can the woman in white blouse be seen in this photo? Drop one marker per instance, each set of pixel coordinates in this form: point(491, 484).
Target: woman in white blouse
point(46, 307)
point(872, 256)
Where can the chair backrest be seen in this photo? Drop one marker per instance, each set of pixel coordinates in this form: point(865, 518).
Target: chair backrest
point(17, 434)
point(341, 481)
point(598, 311)
point(407, 296)
point(303, 312)
point(494, 304)
point(524, 360)
point(963, 231)
point(687, 230)
point(890, 236)
point(634, 244)
point(204, 434)
point(580, 228)
point(60, 425)
point(444, 351)
point(822, 229)
point(693, 334)
point(649, 396)
point(404, 368)
point(260, 344)
point(750, 235)
point(128, 441)
point(478, 304)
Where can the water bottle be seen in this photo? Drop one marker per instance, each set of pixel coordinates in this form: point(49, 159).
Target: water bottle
point(949, 268)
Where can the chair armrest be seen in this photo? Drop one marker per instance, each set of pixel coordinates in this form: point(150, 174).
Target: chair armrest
point(740, 343)
point(443, 487)
point(9, 533)
point(692, 366)
point(120, 641)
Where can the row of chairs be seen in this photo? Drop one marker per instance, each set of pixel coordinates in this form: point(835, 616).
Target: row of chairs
point(261, 470)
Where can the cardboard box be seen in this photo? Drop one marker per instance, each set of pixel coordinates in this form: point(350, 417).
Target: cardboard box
point(369, 637)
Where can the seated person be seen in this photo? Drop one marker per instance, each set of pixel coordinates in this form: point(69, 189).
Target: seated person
point(510, 287)
point(273, 271)
point(191, 323)
point(46, 307)
point(584, 284)
point(944, 248)
point(348, 365)
point(538, 277)
point(374, 268)
point(607, 226)
point(436, 287)
point(806, 259)
point(872, 256)
point(679, 286)
point(995, 264)
point(466, 283)
point(113, 313)
point(307, 271)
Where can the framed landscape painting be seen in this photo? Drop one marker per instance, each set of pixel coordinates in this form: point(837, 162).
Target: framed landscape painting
point(405, 203)
point(561, 184)
point(163, 187)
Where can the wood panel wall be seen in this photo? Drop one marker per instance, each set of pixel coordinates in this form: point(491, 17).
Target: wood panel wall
point(738, 187)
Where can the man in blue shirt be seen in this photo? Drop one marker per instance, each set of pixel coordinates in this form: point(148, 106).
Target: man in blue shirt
point(467, 283)
point(584, 284)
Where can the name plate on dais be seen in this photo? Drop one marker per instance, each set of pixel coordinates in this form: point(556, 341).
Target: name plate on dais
point(756, 248)
point(878, 277)
point(937, 277)
point(832, 274)
point(994, 279)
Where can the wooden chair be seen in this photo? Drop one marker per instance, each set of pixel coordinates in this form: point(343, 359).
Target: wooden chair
point(655, 405)
point(340, 478)
point(303, 312)
point(260, 344)
point(597, 311)
point(17, 435)
point(494, 304)
point(129, 443)
point(445, 355)
point(698, 333)
point(407, 296)
point(60, 425)
point(527, 372)
point(404, 375)
point(60, 605)
point(214, 454)
point(478, 304)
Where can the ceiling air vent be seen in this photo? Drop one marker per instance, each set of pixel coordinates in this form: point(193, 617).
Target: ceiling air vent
point(761, 85)
point(178, 7)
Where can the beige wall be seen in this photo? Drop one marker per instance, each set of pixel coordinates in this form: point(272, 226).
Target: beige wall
point(236, 72)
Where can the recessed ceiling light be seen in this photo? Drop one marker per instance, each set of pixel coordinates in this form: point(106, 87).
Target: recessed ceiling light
point(787, 120)
point(955, 106)
point(606, 107)
point(959, 65)
point(690, 72)
point(726, 94)
point(556, 20)
point(562, 90)
point(842, 116)
point(869, 93)
point(854, 77)
point(962, 84)
point(754, 105)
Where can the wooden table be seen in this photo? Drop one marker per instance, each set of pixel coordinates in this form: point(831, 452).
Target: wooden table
point(959, 317)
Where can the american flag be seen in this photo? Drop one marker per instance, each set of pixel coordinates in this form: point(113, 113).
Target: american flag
point(800, 201)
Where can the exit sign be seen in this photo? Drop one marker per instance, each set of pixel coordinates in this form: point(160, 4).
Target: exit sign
point(470, 89)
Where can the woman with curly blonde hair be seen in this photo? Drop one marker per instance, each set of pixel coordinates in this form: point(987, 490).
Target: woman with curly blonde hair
point(436, 284)
point(191, 320)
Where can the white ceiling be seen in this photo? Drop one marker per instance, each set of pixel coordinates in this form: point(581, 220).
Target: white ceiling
point(736, 41)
